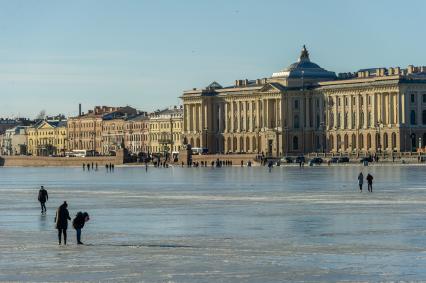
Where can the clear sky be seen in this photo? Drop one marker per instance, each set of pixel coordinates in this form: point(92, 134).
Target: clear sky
point(56, 54)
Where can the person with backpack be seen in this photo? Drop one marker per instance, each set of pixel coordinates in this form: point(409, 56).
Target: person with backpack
point(78, 224)
point(42, 198)
point(370, 182)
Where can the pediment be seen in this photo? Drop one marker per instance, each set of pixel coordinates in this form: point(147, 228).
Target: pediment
point(272, 87)
point(45, 125)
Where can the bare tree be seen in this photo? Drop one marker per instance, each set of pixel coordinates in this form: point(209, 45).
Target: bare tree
point(41, 115)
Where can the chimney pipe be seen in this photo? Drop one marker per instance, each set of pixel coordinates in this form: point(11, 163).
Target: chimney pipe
point(79, 109)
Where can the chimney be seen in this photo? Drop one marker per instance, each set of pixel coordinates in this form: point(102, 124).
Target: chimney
point(79, 109)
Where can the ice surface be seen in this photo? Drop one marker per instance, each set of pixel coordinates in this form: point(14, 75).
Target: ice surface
point(216, 225)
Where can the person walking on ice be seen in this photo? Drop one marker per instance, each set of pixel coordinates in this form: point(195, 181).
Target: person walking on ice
point(42, 198)
point(370, 182)
point(360, 181)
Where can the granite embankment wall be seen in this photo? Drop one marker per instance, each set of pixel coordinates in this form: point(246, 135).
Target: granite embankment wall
point(40, 161)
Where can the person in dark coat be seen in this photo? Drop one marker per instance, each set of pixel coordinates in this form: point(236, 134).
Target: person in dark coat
point(370, 182)
point(78, 224)
point(360, 181)
point(61, 220)
point(42, 198)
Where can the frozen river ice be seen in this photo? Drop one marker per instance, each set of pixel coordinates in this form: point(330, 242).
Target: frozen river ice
point(216, 225)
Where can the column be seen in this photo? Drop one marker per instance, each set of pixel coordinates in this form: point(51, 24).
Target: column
point(232, 126)
point(202, 116)
point(374, 109)
point(258, 114)
point(350, 113)
point(358, 111)
point(365, 100)
point(307, 114)
point(399, 109)
point(226, 126)
point(336, 110)
point(382, 108)
point(238, 116)
point(266, 113)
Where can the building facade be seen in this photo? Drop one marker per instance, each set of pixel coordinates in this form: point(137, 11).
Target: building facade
point(305, 108)
point(85, 132)
point(165, 131)
point(15, 141)
point(47, 138)
point(136, 137)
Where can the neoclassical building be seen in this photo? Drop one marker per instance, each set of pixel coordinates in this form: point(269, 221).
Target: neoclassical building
point(305, 108)
point(165, 131)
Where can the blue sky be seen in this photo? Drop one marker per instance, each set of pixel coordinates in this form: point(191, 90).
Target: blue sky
point(56, 54)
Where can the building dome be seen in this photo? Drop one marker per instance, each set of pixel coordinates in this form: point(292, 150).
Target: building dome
point(305, 68)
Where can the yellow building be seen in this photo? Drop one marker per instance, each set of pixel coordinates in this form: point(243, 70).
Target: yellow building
point(165, 131)
point(305, 108)
point(47, 138)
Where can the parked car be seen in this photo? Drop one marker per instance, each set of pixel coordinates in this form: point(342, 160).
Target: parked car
point(300, 159)
point(343, 159)
point(316, 160)
point(287, 160)
point(334, 160)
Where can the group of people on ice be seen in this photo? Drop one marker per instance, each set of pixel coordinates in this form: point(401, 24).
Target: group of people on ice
point(369, 179)
point(62, 217)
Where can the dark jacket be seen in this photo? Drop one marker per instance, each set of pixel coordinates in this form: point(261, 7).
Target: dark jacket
point(62, 217)
point(370, 179)
point(42, 195)
point(79, 220)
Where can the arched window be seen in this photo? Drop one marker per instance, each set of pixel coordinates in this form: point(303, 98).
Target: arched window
point(241, 144)
point(234, 140)
point(248, 144)
point(413, 142)
point(339, 142)
point(361, 119)
point(361, 141)
point(385, 141)
point(295, 143)
point(331, 122)
point(229, 145)
point(296, 122)
point(393, 140)
point(254, 144)
point(331, 142)
point(424, 117)
point(413, 117)
point(346, 142)
point(353, 141)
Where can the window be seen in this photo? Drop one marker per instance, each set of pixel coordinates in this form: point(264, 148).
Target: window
point(295, 143)
point(296, 104)
point(296, 122)
point(338, 101)
point(424, 117)
point(413, 98)
point(424, 98)
point(413, 117)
